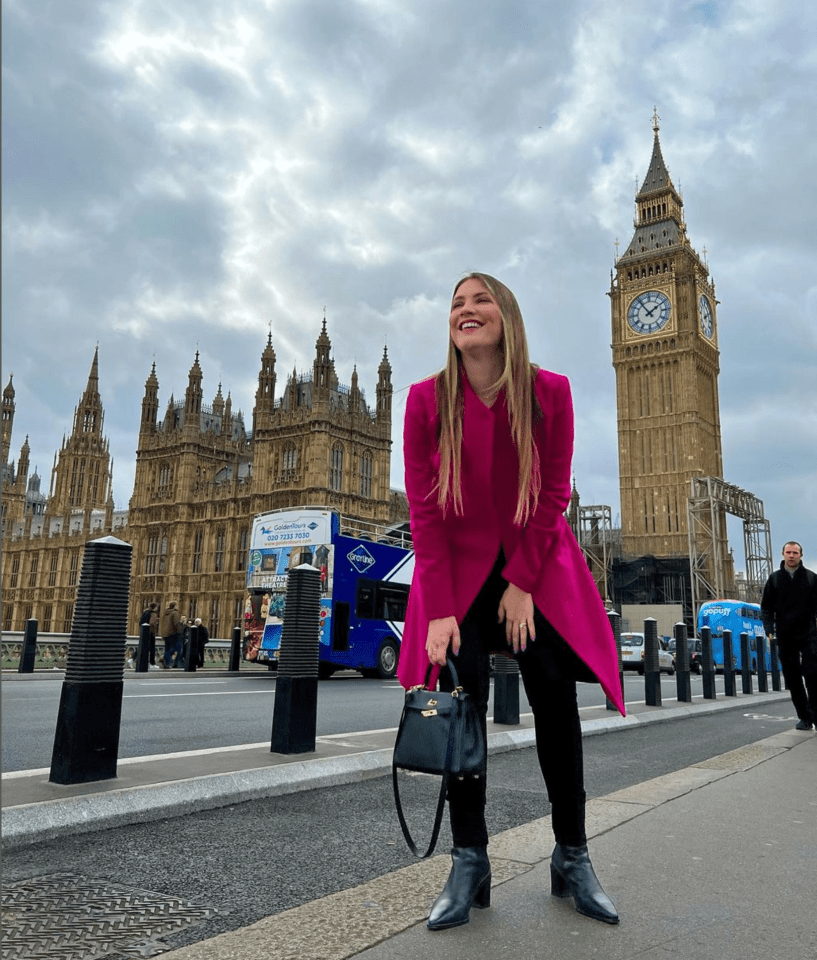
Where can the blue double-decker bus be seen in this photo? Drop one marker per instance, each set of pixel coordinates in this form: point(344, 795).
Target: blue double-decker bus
point(739, 617)
point(365, 572)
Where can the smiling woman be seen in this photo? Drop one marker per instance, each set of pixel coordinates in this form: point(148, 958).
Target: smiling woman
point(488, 445)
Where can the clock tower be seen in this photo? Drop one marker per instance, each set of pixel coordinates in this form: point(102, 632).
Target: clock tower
point(665, 354)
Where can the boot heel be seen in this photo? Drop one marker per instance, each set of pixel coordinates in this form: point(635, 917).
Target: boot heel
point(483, 897)
point(558, 884)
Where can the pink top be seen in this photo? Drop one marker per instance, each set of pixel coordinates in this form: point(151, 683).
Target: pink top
point(454, 554)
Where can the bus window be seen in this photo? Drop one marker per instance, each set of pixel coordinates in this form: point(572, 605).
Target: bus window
point(394, 599)
point(340, 626)
point(381, 600)
point(364, 608)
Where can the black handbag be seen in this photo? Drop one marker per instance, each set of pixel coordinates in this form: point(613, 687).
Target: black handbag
point(439, 734)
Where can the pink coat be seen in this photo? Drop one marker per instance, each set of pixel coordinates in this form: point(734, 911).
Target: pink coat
point(454, 554)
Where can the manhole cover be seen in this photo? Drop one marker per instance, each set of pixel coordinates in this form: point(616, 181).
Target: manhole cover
point(67, 917)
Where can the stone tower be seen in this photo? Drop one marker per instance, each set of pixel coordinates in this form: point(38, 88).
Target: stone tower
point(666, 359)
point(81, 477)
point(8, 419)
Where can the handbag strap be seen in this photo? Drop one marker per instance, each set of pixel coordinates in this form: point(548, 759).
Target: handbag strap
point(438, 816)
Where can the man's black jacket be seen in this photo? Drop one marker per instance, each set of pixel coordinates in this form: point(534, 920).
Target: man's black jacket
point(789, 605)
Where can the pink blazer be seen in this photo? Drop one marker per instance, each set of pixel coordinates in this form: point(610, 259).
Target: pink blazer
point(454, 554)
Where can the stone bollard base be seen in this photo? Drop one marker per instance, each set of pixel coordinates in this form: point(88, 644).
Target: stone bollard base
point(86, 743)
point(506, 698)
point(294, 718)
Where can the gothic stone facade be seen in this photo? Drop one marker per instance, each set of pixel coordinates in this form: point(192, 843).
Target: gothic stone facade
point(200, 478)
point(43, 537)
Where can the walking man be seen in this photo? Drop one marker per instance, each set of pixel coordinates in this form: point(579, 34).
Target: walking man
point(172, 634)
point(789, 612)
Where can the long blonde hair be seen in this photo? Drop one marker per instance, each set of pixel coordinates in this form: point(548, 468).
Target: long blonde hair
point(517, 378)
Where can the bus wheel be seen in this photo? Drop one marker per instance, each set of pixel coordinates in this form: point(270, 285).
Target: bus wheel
point(387, 660)
point(325, 670)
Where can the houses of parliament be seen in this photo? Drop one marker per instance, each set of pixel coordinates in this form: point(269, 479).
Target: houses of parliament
point(201, 476)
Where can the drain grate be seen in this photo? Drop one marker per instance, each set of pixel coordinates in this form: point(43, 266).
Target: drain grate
point(68, 917)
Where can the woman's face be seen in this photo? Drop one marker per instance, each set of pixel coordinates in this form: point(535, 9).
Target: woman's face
point(475, 320)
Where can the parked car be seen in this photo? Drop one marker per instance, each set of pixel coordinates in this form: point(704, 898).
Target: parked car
point(632, 654)
point(694, 650)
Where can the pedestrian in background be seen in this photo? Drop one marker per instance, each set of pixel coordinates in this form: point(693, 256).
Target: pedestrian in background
point(172, 634)
point(789, 612)
point(150, 616)
point(488, 446)
point(204, 639)
point(182, 661)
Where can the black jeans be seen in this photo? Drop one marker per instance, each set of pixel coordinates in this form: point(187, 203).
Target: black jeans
point(549, 669)
point(799, 663)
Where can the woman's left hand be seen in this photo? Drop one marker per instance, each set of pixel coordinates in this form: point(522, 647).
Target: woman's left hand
point(516, 609)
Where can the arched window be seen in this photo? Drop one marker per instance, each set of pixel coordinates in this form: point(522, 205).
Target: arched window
point(366, 475)
point(289, 461)
point(221, 540)
point(198, 542)
point(165, 479)
point(336, 468)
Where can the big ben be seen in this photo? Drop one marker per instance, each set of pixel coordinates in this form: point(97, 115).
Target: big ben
point(666, 358)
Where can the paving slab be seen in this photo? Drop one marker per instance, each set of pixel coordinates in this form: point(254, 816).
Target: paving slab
point(717, 865)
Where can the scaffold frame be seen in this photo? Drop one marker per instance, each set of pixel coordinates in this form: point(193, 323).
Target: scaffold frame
point(596, 542)
point(710, 498)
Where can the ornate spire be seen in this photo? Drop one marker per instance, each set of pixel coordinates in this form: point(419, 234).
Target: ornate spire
point(323, 365)
point(92, 389)
point(657, 178)
point(659, 221)
point(384, 388)
point(265, 393)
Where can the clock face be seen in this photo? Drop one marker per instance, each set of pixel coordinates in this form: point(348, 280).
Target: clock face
point(706, 316)
point(649, 312)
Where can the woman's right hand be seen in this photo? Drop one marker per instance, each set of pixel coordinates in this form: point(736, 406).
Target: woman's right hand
point(441, 633)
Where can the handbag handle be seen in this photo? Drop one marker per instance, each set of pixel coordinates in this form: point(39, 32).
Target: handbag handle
point(449, 663)
point(438, 816)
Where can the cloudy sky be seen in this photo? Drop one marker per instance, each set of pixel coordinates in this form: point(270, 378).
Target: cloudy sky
point(191, 175)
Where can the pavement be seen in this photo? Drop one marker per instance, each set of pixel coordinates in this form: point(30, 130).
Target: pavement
point(715, 860)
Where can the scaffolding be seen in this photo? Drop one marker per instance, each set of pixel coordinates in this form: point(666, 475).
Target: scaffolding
point(711, 498)
point(596, 541)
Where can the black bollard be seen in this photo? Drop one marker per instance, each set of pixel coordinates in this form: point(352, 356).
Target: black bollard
point(192, 660)
point(682, 677)
point(234, 664)
point(615, 625)
point(28, 651)
point(745, 664)
point(86, 742)
point(294, 718)
point(652, 674)
point(762, 678)
point(728, 666)
point(707, 664)
point(506, 690)
point(775, 665)
point(143, 652)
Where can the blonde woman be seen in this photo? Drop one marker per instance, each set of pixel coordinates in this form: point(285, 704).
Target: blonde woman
point(488, 446)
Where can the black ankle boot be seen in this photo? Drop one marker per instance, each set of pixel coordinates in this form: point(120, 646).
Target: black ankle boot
point(572, 875)
point(468, 885)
